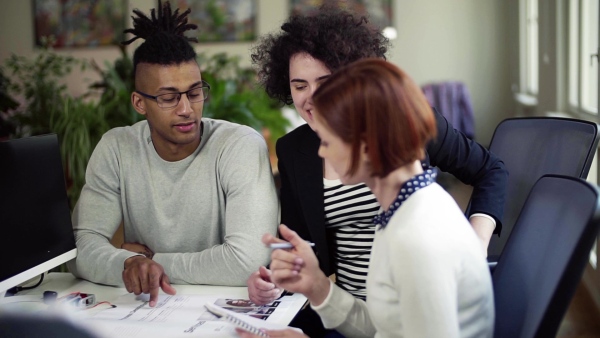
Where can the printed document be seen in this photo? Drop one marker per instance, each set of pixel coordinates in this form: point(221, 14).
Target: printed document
point(183, 316)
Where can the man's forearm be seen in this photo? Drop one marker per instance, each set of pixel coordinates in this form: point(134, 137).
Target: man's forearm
point(219, 265)
point(97, 260)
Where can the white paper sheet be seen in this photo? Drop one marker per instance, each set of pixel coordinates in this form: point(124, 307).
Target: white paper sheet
point(179, 316)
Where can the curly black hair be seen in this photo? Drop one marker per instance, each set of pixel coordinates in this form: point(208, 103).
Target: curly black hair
point(332, 35)
point(165, 43)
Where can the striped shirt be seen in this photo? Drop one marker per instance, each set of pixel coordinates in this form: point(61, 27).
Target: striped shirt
point(349, 212)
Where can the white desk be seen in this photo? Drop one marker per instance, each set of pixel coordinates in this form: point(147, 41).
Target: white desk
point(66, 283)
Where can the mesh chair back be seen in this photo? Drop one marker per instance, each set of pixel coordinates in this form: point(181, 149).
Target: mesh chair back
point(545, 256)
point(533, 147)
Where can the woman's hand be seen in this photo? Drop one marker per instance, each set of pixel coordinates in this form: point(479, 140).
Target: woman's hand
point(288, 333)
point(261, 290)
point(484, 228)
point(297, 269)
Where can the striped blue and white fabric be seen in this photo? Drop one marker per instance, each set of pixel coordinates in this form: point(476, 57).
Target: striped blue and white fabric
point(349, 212)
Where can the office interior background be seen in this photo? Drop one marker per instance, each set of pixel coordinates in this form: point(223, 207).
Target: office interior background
point(516, 57)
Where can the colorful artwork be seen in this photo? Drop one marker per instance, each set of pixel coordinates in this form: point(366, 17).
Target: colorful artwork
point(379, 12)
point(79, 23)
point(221, 20)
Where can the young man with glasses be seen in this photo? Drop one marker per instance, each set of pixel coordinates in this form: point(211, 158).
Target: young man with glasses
point(194, 194)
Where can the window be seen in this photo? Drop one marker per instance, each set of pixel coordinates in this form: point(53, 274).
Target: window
point(530, 45)
point(594, 256)
point(583, 43)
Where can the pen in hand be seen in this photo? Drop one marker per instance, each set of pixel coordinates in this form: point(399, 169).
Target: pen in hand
point(285, 245)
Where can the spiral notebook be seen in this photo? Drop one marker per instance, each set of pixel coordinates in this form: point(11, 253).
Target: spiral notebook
point(247, 323)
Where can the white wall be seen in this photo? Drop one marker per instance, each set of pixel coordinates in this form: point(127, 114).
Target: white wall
point(464, 40)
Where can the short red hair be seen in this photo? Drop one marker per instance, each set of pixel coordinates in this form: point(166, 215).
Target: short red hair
point(374, 101)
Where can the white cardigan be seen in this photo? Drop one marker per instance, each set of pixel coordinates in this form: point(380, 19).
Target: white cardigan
point(427, 277)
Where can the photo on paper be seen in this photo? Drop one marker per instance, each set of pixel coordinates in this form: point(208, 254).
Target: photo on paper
point(246, 306)
point(261, 317)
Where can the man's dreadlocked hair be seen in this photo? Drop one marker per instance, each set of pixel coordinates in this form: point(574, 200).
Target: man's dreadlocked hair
point(165, 43)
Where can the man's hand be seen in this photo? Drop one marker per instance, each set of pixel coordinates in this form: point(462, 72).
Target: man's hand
point(261, 290)
point(138, 248)
point(143, 275)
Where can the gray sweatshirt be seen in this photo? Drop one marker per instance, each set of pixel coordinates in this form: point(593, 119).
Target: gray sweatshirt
point(203, 216)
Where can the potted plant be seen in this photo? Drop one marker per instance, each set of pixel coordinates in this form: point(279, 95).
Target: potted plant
point(48, 108)
point(7, 104)
point(80, 122)
point(236, 97)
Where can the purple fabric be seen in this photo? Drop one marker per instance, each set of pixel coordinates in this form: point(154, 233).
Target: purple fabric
point(453, 101)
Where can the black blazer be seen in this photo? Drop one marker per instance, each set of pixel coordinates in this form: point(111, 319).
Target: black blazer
point(301, 173)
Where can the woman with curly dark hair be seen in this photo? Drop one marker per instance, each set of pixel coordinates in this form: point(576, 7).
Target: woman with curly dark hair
point(338, 218)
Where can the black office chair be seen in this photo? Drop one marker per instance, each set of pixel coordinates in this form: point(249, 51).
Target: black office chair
point(545, 256)
point(532, 147)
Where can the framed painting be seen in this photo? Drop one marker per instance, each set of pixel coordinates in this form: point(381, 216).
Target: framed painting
point(221, 20)
point(79, 23)
point(379, 12)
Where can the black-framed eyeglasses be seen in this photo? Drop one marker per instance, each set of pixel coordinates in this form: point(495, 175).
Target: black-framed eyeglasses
point(170, 100)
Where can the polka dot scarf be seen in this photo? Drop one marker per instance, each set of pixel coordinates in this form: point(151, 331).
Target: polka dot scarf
point(408, 188)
